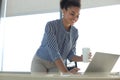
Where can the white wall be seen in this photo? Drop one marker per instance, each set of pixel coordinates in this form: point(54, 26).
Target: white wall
point(97, 3)
point(20, 7)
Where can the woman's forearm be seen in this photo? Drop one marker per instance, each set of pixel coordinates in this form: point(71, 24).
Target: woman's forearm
point(59, 63)
point(77, 58)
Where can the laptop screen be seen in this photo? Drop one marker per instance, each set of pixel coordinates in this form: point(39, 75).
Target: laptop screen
point(102, 63)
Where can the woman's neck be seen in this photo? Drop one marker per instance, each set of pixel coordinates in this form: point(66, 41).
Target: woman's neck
point(66, 25)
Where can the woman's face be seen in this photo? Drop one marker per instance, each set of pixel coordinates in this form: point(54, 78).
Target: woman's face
point(71, 15)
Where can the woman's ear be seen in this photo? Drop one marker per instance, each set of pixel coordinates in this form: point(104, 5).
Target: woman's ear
point(63, 11)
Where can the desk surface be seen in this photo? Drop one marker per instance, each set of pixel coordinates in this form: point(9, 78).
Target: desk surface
point(13, 76)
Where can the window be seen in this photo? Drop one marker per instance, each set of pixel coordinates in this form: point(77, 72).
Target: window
point(98, 29)
point(22, 37)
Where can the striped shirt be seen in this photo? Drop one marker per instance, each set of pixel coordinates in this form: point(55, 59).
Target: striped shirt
point(57, 42)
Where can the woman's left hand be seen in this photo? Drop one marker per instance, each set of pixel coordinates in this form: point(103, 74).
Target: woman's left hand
point(90, 55)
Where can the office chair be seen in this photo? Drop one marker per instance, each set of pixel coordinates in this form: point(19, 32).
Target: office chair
point(70, 67)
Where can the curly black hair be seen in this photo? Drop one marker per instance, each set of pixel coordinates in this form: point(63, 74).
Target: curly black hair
point(64, 4)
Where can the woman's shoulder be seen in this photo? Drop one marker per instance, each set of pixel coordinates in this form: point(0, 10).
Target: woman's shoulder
point(54, 21)
point(52, 25)
point(74, 29)
point(74, 32)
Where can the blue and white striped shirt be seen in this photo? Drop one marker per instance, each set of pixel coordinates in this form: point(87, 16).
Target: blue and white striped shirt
point(57, 42)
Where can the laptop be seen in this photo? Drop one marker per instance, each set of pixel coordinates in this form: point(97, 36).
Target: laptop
point(102, 63)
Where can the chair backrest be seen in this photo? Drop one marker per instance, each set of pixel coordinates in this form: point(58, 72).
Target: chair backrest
point(69, 67)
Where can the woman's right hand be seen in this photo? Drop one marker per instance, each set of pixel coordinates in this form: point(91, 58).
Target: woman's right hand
point(74, 70)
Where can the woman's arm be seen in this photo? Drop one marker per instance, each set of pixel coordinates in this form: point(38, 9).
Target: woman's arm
point(63, 68)
point(59, 63)
point(80, 58)
point(77, 58)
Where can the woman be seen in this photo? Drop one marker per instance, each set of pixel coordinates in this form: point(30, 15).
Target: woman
point(59, 41)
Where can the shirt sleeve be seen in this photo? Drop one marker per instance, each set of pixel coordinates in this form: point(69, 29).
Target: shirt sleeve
point(72, 53)
point(73, 50)
point(52, 41)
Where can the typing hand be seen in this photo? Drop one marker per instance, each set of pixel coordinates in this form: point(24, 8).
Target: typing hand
point(74, 70)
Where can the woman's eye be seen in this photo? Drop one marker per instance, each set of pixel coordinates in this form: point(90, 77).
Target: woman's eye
point(77, 16)
point(72, 14)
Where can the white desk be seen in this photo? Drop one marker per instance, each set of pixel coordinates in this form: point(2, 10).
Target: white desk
point(13, 76)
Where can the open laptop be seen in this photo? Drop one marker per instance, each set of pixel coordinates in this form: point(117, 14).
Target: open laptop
point(101, 63)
